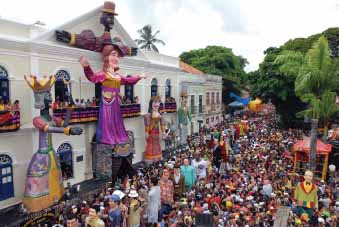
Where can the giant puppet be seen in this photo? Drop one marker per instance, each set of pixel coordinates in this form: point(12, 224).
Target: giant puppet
point(113, 146)
point(154, 124)
point(87, 39)
point(184, 117)
point(306, 196)
point(111, 134)
point(44, 182)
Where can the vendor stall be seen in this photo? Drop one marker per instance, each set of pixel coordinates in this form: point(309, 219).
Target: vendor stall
point(301, 151)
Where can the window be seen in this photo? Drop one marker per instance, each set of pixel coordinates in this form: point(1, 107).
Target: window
point(218, 98)
point(168, 89)
point(65, 155)
point(212, 101)
point(200, 104)
point(207, 98)
point(154, 87)
point(129, 92)
point(63, 91)
point(4, 84)
point(6, 177)
point(207, 121)
point(192, 104)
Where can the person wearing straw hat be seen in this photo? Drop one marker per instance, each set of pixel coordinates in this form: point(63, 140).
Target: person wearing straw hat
point(134, 209)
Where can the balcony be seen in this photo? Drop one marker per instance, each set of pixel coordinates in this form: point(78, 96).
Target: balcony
point(9, 121)
point(90, 114)
point(169, 107)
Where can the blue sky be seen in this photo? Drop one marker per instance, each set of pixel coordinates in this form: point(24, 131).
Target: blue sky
point(246, 26)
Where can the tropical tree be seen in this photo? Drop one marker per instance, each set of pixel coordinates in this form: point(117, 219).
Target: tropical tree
point(316, 80)
point(221, 61)
point(147, 39)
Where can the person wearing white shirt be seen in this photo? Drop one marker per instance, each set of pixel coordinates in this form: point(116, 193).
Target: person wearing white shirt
point(200, 166)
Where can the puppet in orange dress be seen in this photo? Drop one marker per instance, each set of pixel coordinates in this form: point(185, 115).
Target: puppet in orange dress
point(154, 123)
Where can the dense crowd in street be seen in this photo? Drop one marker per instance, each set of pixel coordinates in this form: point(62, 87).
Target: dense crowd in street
point(222, 178)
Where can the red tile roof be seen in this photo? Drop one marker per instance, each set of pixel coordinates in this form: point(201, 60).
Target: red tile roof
point(189, 69)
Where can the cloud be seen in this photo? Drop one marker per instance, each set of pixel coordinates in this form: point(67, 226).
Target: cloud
point(248, 27)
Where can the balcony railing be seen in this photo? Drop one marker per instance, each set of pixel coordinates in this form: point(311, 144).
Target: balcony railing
point(168, 107)
point(9, 121)
point(90, 114)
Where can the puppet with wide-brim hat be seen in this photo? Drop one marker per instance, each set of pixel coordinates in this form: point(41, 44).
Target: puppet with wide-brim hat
point(109, 7)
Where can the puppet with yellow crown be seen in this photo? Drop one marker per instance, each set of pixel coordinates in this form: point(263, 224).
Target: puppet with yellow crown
point(44, 183)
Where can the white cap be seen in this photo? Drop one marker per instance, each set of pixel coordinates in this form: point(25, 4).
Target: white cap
point(119, 193)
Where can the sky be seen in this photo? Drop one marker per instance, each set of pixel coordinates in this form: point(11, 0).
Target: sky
point(248, 27)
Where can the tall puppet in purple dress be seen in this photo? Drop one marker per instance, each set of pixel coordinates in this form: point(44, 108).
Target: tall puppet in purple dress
point(44, 182)
point(111, 133)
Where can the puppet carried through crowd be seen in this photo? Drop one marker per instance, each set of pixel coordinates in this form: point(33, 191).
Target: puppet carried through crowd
point(44, 181)
point(113, 146)
point(111, 135)
point(184, 117)
point(154, 124)
point(306, 197)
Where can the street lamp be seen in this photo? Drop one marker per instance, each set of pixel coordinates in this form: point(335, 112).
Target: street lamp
point(332, 174)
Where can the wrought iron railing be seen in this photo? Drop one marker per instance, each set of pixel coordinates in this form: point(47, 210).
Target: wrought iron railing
point(90, 114)
point(168, 107)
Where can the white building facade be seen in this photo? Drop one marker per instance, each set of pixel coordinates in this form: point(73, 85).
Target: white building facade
point(27, 49)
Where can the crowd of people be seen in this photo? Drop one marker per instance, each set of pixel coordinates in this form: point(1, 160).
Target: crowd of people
point(222, 178)
point(6, 105)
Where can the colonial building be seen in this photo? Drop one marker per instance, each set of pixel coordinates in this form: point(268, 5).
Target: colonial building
point(29, 49)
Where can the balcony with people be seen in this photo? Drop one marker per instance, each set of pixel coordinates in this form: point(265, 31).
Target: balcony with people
point(9, 116)
point(170, 105)
point(88, 111)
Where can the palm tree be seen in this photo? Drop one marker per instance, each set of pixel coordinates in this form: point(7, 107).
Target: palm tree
point(316, 79)
point(148, 40)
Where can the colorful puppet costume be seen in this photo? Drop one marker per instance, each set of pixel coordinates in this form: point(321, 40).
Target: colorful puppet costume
point(184, 116)
point(306, 197)
point(110, 129)
point(153, 125)
point(44, 182)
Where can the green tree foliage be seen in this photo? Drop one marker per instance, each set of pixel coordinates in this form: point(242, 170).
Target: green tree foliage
point(218, 60)
point(275, 79)
point(147, 39)
point(316, 78)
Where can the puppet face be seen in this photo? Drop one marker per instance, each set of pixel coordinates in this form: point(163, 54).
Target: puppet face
point(107, 20)
point(114, 59)
point(42, 100)
point(155, 105)
point(308, 176)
